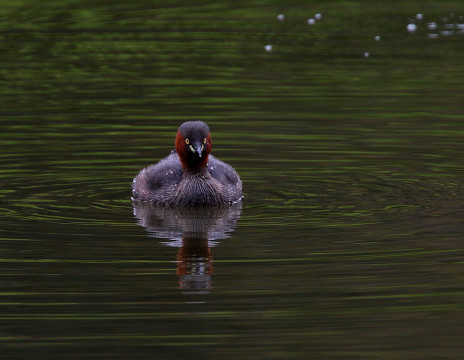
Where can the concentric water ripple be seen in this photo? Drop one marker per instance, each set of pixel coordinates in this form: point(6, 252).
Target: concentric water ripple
point(351, 201)
point(73, 202)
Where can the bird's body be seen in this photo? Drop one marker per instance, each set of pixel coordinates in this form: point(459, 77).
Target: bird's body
point(189, 176)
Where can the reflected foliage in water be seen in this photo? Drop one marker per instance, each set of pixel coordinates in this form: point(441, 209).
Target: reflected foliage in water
point(348, 243)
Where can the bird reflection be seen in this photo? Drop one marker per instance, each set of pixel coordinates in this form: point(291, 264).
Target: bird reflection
point(194, 231)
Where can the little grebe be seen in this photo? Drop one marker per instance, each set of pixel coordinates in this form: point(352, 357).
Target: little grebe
point(189, 176)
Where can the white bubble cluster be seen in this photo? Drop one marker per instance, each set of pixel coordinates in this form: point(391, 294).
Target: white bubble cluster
point(436, 29)
point(446, 26)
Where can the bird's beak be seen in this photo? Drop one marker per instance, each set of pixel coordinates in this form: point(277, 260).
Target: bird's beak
point(198, 149)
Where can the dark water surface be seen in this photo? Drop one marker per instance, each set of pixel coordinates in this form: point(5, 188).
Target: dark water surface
point(349, 242)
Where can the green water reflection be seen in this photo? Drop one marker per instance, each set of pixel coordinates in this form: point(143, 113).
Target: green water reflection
point(348, 243)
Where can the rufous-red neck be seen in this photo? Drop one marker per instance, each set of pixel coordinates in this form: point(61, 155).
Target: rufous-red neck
point(189, 160)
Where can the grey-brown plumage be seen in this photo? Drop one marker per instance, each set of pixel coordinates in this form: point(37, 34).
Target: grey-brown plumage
point(189, 176)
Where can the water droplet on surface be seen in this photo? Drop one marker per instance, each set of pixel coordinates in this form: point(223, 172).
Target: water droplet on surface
point(318, 16)
point(432, 25)
point(419, 16)
point(311, 21)
point(366, 54)
point(377, 38)
point(432, 36)
point(268, 48)
point(411, 27)
point(281, 17)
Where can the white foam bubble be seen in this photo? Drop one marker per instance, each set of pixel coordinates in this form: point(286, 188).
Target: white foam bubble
point(411, 27)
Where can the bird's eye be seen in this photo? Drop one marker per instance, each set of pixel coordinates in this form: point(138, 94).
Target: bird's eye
point(187, 141)
point(204, 141)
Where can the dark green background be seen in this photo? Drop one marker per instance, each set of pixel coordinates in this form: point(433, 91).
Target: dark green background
point(349, 244)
